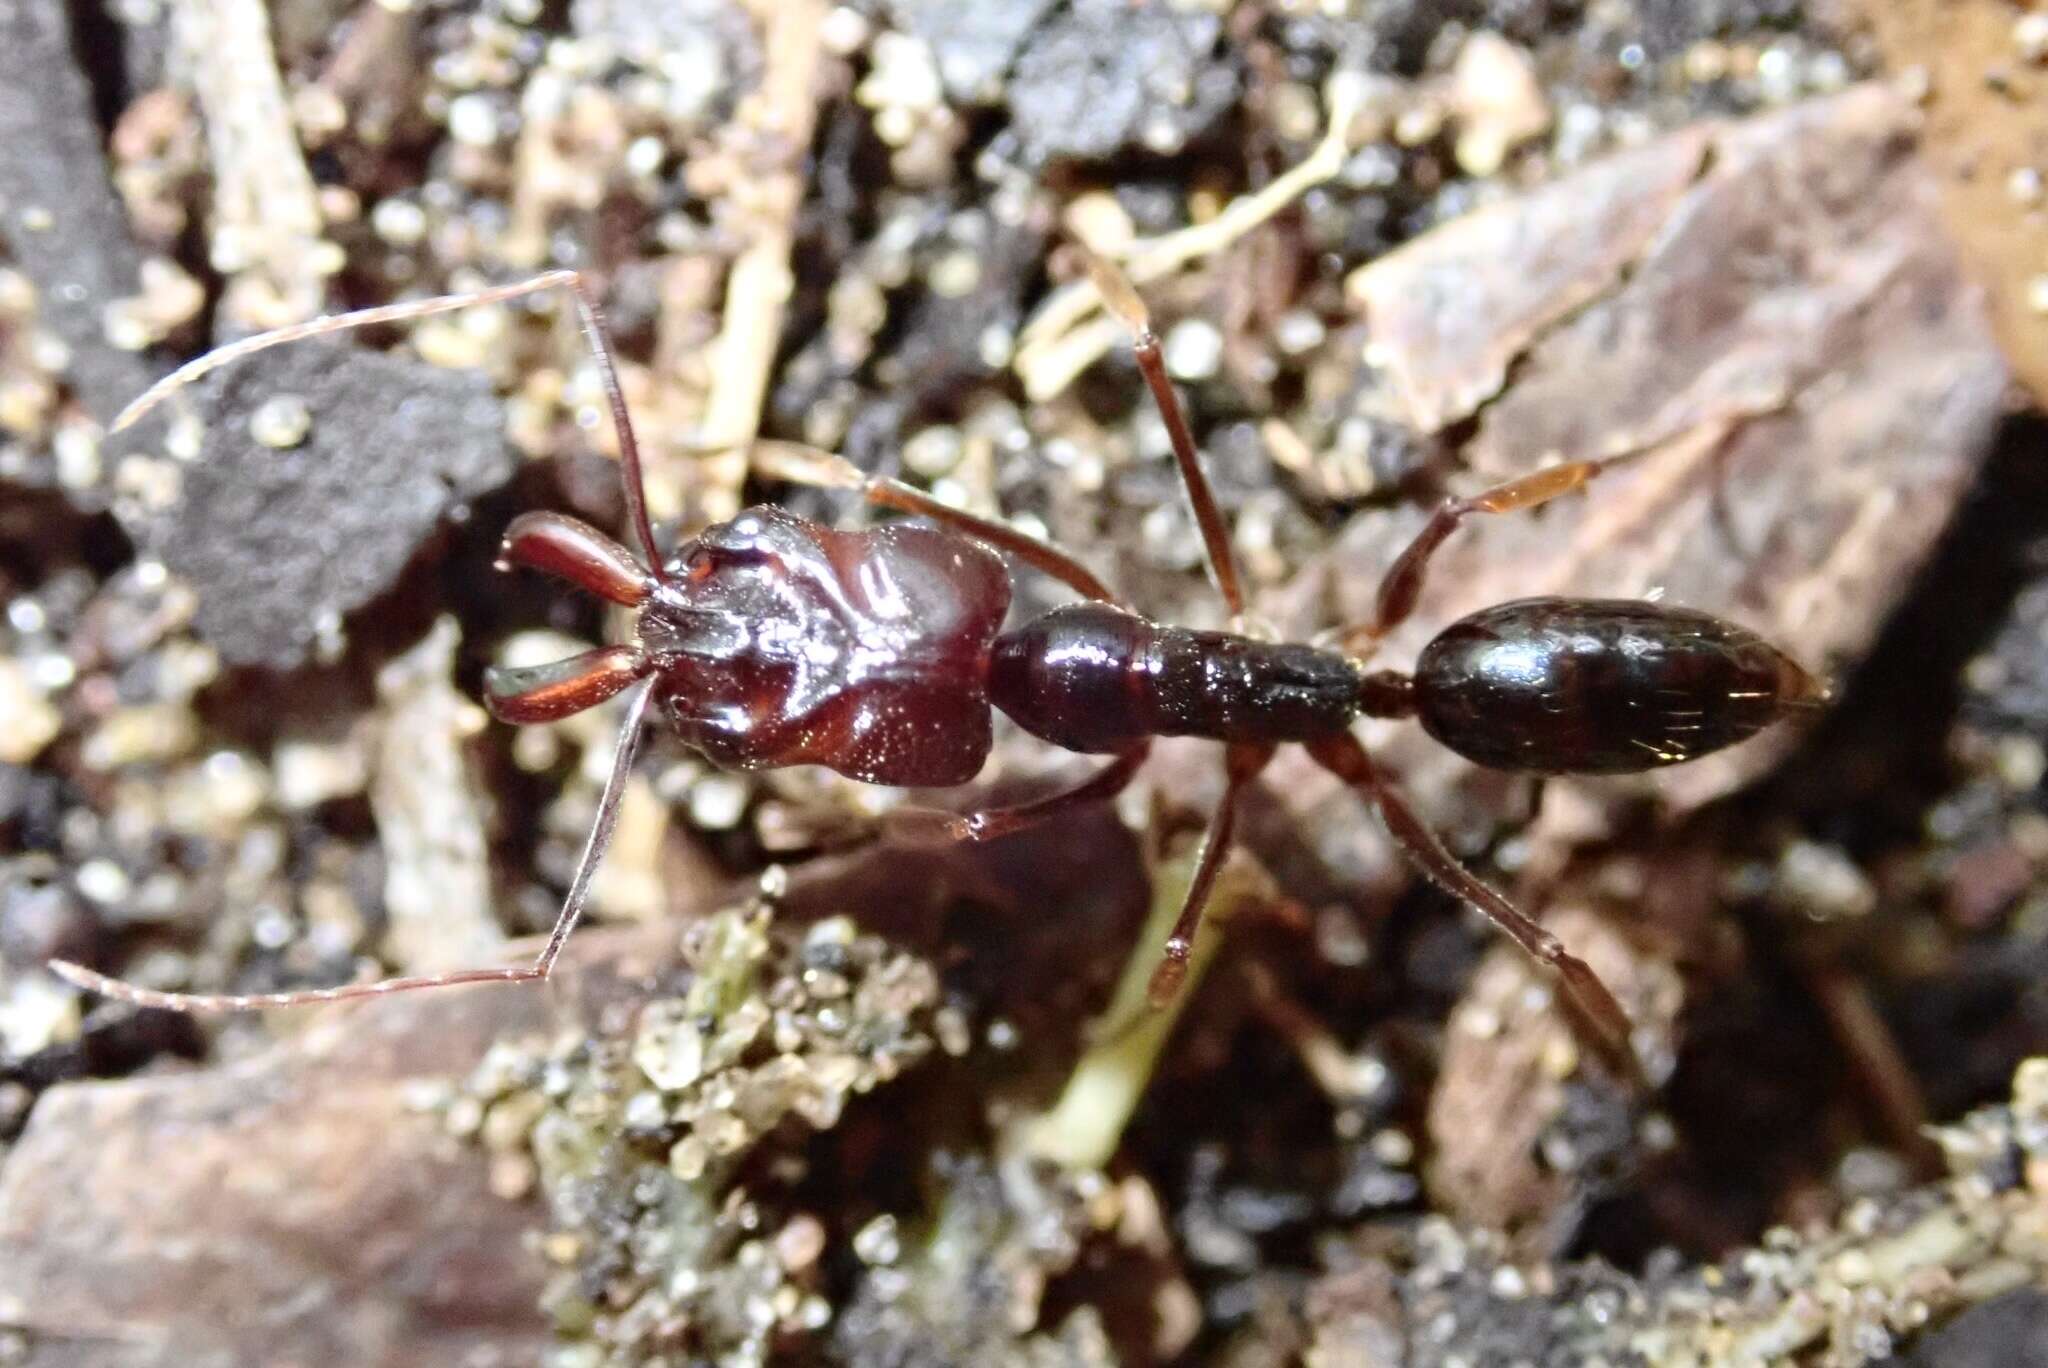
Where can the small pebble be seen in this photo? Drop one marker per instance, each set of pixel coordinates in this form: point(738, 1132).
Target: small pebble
point(1777, 74)
point(2030, 36)
point(1706, 62)
point(955, 275)
point(1298, 332)
point(281, 422)
point(904, 75)
point(933, 451)
point(1823, 883)
point(688, 1157)
point(718, 801)
point(845, 31)
point(877, 1241)
point(512, 1176)
point(138, 736)
point(800, 1243)
point(2021, 763)
point(36, 1013)
point(2037, 294)
point(473, 119)
point(309, 773)
point(1496, 100)
point(1193, 349)
point(399, 222)
point(28, 720)
point(1394, 1147)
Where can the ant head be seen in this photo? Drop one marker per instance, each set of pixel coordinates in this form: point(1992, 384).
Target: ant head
point(775, 641)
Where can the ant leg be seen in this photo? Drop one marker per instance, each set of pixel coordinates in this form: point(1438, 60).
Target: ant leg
point(1120, 297)
point(1592, 1003)
point(800, 464)
point(587, 311)
point(1402, 584)
point(1242, 763)
point(565, 922)
point(919, 825)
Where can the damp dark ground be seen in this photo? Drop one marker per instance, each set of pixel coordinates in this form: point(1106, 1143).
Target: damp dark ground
point(806, 1094)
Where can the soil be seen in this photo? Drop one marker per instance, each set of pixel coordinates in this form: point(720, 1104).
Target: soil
point(807, 1093)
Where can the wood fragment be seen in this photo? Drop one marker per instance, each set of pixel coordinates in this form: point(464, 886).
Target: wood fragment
point(267, 234)
point(780, 115)
point(292, 1207)
point(1067, 334)
point(1450, 311)
point(430, 817)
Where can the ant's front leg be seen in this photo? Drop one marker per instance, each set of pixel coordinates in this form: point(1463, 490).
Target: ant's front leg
point(1402, 584)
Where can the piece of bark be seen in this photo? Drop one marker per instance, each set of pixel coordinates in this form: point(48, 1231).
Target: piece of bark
point(432, 819)
point(300, 1205)
point(1813, 383)
point(290, 1207)
point(58, 212)
point(1452, 309)
point(1510, 1150)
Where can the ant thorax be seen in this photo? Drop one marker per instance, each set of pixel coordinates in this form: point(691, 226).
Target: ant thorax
point(774, 641)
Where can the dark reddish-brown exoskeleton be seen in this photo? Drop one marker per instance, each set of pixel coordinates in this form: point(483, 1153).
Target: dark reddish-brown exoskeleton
point(770, 640)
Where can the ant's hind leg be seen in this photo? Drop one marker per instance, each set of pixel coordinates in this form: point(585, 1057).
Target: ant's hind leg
point(1402, 584)
point(918, 825)
point(565, 922)
point(1588, 997)
point(800, 464)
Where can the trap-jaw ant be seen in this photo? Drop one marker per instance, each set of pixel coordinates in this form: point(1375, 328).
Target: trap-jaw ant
point(770, 640)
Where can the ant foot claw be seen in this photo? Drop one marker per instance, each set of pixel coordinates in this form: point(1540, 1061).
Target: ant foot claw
point(1169, 976)
point(917, 826)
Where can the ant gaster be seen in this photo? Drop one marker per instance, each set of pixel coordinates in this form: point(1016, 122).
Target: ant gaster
point(770, 640)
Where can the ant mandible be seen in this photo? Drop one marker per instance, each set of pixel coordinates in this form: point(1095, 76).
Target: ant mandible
point(770, 640)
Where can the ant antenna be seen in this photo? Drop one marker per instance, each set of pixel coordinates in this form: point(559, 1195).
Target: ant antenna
point(588, 313)
point(565, 921)
point(592, 319)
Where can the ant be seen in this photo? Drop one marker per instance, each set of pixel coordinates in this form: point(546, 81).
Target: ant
point(770, 640)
